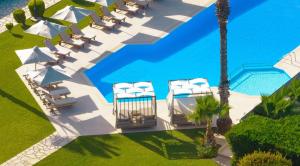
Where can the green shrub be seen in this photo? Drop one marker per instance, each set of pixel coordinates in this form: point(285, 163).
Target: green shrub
point(40, 8)
point(264, 159)
point(208, 151)
point(9, 26)
point(284, 102)
point(19, 16)
point(260, 133)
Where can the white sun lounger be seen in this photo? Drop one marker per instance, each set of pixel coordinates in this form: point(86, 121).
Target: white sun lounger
point(60, 103)
point(113, 15)
point(56, 93)
point(55, 50)
point(78, 33)
point(96, 20)
point(68, 40)
point(140, 3)
point(123, 7)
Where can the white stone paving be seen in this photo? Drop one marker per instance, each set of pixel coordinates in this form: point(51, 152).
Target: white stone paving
point(290, 63)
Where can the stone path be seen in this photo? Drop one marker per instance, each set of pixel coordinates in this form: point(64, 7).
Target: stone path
point(9, 18)
point(39, 151)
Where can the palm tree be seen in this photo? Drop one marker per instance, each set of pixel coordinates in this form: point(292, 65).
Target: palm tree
point(206, 108)
point(276, 105)
point(222, 13)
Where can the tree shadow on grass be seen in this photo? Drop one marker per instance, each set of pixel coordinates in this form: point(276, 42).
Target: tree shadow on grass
point(84, 3)
point(94, 145)
point(172, 145)
point(22, 104)
point(17, 35)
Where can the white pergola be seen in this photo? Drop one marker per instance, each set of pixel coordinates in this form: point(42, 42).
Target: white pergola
point(182, 95)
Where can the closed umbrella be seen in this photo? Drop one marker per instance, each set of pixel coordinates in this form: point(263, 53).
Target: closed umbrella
point(34, 55)
point(46, 29)
point(50, 75)
point(72, 14)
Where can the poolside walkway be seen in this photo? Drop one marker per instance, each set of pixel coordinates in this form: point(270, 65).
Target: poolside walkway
point(290, 63)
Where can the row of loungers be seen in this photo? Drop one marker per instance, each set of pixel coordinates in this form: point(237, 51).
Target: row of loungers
point(109, 20)
point(53, 96)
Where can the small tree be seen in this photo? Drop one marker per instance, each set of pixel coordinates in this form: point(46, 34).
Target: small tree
point(36, 8)
point(277, 105)
point(19, 16)
point(206, 108)
point(264, 159)
point(9, 26)
point(294, 90)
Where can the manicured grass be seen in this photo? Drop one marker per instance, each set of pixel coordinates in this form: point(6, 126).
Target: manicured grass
point(22, 123)
point(174, 148)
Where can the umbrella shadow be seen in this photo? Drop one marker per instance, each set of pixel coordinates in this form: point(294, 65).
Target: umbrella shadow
point(17, 35)
point(167, 144)
point(55, 20)
point(22, 104)
point(94, 145)
point(84, 3)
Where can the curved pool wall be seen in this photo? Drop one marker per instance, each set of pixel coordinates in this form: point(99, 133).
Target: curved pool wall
point(259, 31)
point(252, 81)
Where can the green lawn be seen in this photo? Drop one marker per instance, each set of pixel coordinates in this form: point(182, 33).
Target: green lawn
point(22, 123)
point(174, 148)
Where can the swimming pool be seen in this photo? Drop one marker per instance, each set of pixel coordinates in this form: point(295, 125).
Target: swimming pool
point(7, 6)
point(259, 31)
point(254, 81)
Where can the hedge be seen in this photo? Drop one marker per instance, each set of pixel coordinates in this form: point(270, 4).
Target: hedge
point(40, 7)
point(264, 159)
point(261, 133)
point(19, 16)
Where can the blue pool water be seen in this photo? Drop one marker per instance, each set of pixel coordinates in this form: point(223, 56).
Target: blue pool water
point(255, 81)
point(259, 31)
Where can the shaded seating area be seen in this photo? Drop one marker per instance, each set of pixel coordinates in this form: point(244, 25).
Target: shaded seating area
point(112, 15)
point(129, 8)
point(46, 82)
point(134, 105)
point(98, 21)
point(62, 53)
point(66, 39)
point(78, 34)
point(182, 96)
point(143, 4)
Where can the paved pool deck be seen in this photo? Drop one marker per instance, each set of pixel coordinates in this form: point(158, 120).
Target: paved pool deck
point(92, 115)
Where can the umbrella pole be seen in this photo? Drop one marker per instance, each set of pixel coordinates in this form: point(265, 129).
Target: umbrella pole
point(34, 66)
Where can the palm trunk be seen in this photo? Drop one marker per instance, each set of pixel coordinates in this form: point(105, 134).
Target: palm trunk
point(209, 135)
point(224, 123)
point(223, 13)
